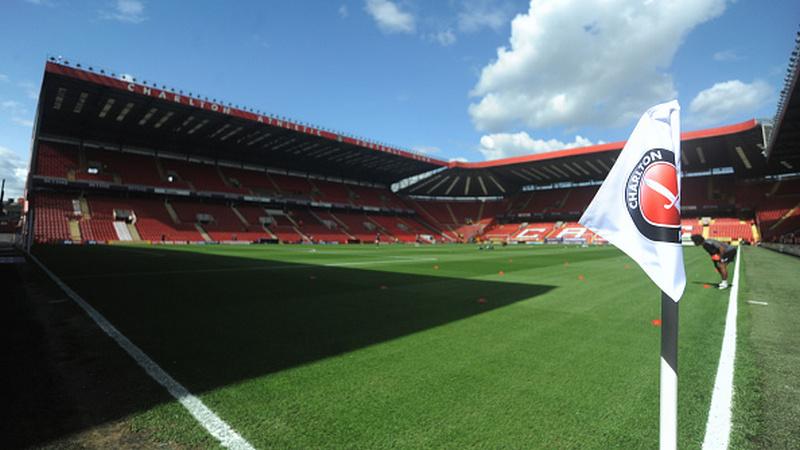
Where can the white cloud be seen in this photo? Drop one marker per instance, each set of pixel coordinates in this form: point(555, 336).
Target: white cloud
point(505, 145)
point(444, 38)
point(15, 170)
point(344, 12)
point(130, 11)
point(389, 17)
point(3, 78)
point(478, 14)
point(588, 62)
point(726, 56)
point(726, 100)
point(458, 159)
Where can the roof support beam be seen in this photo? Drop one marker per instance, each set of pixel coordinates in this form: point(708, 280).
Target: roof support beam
point(438, 184)
point(502, 189)
point(743, 157)
point(483, 186)
point(450, 188)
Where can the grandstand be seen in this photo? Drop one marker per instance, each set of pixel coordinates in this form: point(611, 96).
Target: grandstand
point(151, 164)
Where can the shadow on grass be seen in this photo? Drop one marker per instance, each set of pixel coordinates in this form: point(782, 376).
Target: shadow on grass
point(211, 320)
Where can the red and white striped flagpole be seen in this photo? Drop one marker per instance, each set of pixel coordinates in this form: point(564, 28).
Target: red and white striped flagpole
point(668, 428)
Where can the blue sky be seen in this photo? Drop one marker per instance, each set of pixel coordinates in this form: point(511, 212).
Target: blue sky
point(470, 79)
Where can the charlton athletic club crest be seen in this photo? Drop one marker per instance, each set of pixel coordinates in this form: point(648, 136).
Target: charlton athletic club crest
point(653, 198)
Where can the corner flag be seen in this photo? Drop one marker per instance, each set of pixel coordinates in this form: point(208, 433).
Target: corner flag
point(638, 206)
point(638, 209)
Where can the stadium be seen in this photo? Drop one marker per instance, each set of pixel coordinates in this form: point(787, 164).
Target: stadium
point(180, 169)
point(203, 274)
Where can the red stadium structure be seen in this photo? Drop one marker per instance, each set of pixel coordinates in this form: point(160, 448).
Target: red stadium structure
point(117, 159)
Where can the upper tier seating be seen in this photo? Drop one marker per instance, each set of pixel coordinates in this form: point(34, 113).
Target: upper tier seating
point(577, 199)
point(132, 168)
point(545, 201)
point(258, 182)
point(367, 196)
point(328, 191)
point(56, 160)
point(292, 186)
point(203, 177)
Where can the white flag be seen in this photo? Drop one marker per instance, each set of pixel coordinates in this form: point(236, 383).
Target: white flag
point(638, 206)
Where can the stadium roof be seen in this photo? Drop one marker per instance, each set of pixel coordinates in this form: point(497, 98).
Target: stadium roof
point(738, 146)
point(784, 147)
point(89, 105)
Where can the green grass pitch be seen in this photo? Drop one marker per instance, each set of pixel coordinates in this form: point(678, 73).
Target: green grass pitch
point(407, 347)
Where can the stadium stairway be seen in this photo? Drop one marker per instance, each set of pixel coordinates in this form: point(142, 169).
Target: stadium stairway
point(342, 226)
point(74, 230)
point(171, 212)
point(85, 212)
point(297, 228)
point(386, 235)
point(240, 216)
point(451, 213)
point(123, 232)
point(202, 232)
point(133, 232)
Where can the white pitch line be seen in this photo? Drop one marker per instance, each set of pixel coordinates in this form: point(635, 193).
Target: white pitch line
point(227, 436)
point(753, 302)
point(718, 426)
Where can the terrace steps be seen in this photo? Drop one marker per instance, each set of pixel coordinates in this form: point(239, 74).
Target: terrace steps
point(74, 230)
point(172, 214)
point(783, 218)
point(754, 230)
point(450, 211)
point(240, 216)
point(202, 232)
point(85, 212)
point(123, 232)
point(222, 177)
point(379, 227)
point(133, 232)
point(273, 183)
point(342, 226)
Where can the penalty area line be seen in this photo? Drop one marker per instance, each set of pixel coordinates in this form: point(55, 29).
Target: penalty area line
point(718, 427)
point(216, 427)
